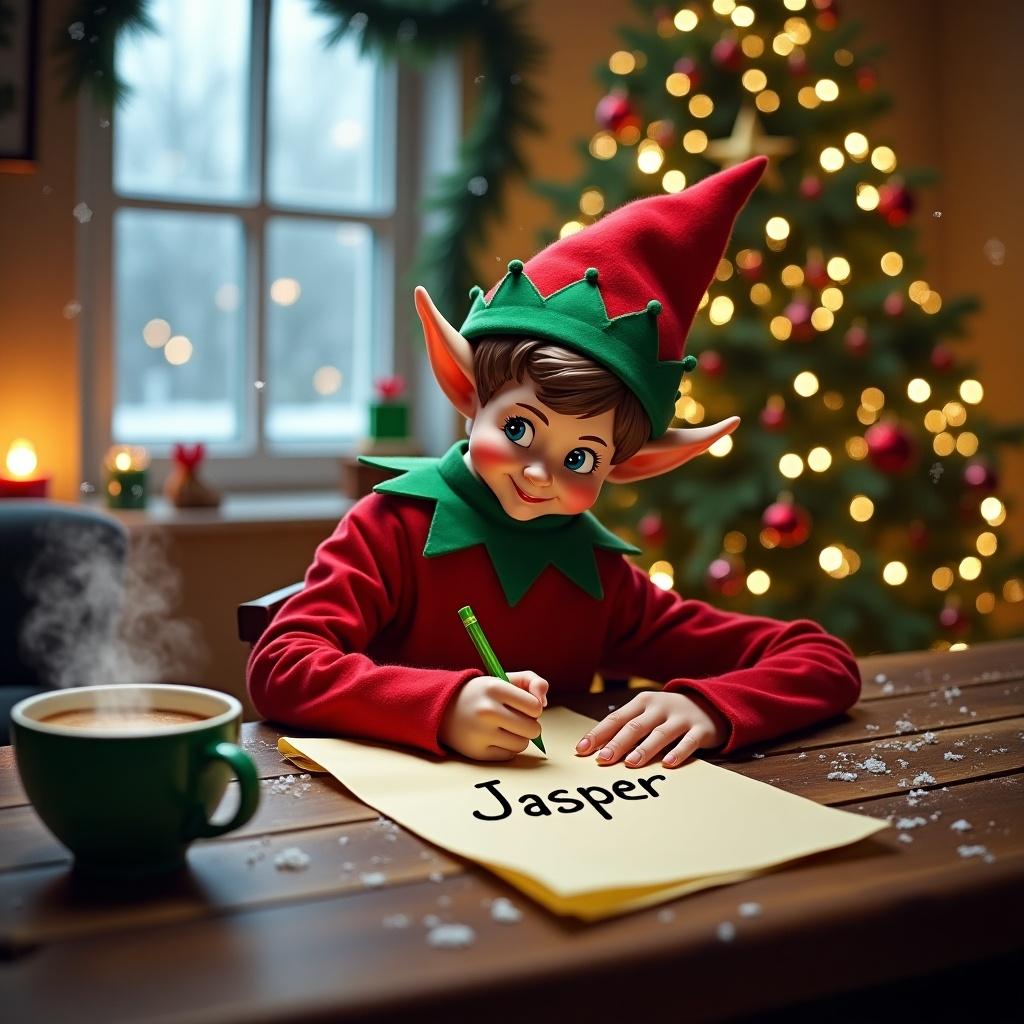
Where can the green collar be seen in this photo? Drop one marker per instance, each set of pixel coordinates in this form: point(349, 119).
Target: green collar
point(468, 513)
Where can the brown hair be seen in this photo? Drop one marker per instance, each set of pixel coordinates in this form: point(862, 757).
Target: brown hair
point(568, 382)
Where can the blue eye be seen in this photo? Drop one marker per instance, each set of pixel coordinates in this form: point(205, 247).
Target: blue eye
point(519, 431)
point(582, 460)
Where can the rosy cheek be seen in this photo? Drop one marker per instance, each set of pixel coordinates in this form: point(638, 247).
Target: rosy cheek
point(488, 454)
point(579, 493)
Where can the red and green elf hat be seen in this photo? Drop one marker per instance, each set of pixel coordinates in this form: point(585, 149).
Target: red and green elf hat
point(624, 291)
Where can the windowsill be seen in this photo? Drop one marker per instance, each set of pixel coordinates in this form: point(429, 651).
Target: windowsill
point(236, 511)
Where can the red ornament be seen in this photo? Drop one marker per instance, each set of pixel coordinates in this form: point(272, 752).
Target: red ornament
point(688, 66)
point(797, 63)
point(725, 576)
point(815, 274)
point(613, 110)
point(810, 186)
point(188, 457)
point(752, 267)
point(895, 203)
point(711, 363)
point(857, 341)
point(867, 78)
point(786, 524)
point(772, 417)
point(918, 536)
point(894, 304)
point(664, 133)
point(953, 620)
point(980, 476)
point(652, 529)
point(798, 313)
point(942, 358)
point(726, 54)
point(890, 447)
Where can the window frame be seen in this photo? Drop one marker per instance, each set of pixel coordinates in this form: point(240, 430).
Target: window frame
point(407, 93)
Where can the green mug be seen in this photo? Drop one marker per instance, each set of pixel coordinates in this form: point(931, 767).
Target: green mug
point(124, 790)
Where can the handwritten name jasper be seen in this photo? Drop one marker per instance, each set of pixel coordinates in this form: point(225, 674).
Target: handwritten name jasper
point(597, 796)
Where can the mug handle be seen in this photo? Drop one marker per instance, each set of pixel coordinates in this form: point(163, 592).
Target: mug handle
point(248, 788)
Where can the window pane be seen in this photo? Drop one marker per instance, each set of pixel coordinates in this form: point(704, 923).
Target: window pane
point(319, 348)
point(323, 117)
point(183, 131)
point(179, 359)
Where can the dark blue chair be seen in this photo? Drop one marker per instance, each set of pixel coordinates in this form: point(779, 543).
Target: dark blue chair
point(61, 573)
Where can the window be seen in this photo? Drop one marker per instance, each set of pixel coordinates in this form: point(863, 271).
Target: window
point(254, 205)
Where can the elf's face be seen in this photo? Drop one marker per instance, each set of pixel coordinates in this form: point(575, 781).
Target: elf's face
point(539, 462)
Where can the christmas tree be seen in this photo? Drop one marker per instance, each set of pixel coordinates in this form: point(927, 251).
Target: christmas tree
point(861, 488)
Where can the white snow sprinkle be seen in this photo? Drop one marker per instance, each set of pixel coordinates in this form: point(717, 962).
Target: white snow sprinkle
point(291, 859)
point(953, 691)
point(437, 876)
point(726, 931)
point(666, 914)
point(372, 879)
point(881, 677)
point(874, 765)
point(902, 725)
point(888, 689)
point(842, 776)
point(905, 837)
point(505, 911)
point(82, 213)
point(924, 779)
point(750, 910)
point(972, 851)
point(872, 727)
point(949, 756)
point(758, 756)
point(961, 825)
point(451, 936)
point(902, 763)
point(911, 822)
point(431, 921)
point(343, 840)
point(800, 756)
point(930, 737)
point(396, 921)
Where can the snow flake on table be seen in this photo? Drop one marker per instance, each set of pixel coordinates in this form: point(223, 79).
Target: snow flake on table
point(961, 825)
point(842, 776)
point(505, 911)
point(911, 822)
point(750, 910)
point(296, 785)
point(396, 921)
point(950, 756)
point(875, 765)
point(292, 859)
point(82, 213)
point(903, 725)
point(726, 931)
point(372, 879)
point(924, 779)
point(451, 936)
point(976, 851)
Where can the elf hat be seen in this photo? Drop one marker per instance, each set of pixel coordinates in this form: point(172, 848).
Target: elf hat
point(624, 291)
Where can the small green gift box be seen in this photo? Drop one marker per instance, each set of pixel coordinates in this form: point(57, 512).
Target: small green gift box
point(389, 420)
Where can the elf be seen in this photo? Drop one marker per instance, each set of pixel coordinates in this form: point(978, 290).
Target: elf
point(567, 373)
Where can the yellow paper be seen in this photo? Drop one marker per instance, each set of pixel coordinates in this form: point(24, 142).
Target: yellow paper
point(640, 835)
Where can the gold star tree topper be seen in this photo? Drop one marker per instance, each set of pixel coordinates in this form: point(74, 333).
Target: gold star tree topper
point(749, 139)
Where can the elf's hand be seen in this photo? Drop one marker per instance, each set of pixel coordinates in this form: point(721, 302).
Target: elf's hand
point(652, 721)
point(491, 720)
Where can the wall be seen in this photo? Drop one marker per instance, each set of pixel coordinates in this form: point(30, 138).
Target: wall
point(39, 378)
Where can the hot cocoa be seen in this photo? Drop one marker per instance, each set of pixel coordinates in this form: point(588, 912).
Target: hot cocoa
point(147, 720)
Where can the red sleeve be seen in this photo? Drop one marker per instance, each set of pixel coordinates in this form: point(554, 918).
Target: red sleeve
point(308, 668)
point(766, 676)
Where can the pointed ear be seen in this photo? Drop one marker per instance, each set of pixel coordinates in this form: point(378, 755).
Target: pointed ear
point(450, 355)
point(670, 451)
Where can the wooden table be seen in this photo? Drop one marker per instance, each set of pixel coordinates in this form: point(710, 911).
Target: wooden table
point(237, 938)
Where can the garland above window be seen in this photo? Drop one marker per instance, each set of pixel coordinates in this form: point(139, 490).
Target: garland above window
point(411, 31)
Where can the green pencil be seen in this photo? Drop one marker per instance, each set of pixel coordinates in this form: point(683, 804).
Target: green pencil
point(491, 663)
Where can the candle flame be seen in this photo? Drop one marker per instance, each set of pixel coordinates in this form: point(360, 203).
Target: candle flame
point(21, 458)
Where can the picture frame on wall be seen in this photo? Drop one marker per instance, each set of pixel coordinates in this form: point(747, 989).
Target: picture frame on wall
point(19, 83)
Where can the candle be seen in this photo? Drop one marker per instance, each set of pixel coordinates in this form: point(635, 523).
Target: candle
point(125, 469)
point(21, 479)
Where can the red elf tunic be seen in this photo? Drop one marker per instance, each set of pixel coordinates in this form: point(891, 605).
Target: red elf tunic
point(373, 645)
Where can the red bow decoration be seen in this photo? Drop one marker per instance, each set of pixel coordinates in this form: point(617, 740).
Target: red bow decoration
point(189, 456)
point(390, 388)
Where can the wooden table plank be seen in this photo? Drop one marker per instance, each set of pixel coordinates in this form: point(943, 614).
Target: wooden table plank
point(344, 956)
point(920, 671)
